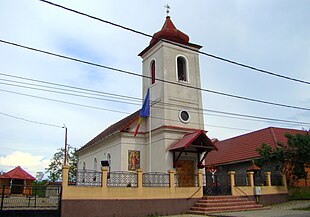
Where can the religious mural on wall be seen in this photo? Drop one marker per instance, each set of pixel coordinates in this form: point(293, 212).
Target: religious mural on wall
point(133, 160)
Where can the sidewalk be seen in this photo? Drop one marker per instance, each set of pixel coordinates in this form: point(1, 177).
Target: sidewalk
point(277, 210)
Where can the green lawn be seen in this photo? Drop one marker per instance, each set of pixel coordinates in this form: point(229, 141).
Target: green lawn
point(299, 193)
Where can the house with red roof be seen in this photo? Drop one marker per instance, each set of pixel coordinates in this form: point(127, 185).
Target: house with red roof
point(237, 153)
point(17, 181)
point(173, 135)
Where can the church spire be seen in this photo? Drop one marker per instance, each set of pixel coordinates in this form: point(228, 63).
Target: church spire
point(171, 33)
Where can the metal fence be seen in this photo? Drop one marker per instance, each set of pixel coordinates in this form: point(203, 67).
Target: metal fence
point(276, 179)
point(216, 184)
point(88, 177)
point(241, 179)
point(129, 179)
point(259, 179)
point(122, 179)
point(155, 179)
point(31, 197)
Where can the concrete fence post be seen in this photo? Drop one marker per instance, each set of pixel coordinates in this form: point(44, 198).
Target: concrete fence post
point(139, 177)
point(284, 182)
point(251, 178)
point(65, 175)
point(65, 180)
point(104, 177)
point(232, 181)
point(200, 181)
point(171, 178)
point(268, 178)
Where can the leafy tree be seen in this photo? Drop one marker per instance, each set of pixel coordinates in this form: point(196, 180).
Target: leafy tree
point(292, 157)
point(54, 169)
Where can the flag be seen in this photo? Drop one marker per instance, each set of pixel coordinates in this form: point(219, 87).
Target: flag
point(145, 111)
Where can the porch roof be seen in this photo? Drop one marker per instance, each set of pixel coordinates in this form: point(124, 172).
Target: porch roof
point(17, 173)
point(197, 142)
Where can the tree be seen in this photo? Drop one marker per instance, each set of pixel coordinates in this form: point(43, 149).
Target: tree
point(292, 157)
point(55, 167)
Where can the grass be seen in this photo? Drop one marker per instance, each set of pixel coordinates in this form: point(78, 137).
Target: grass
point(299, 193)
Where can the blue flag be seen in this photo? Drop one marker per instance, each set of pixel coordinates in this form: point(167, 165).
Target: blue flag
point(145, 110)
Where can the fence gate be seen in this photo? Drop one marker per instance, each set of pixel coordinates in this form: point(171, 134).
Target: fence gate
point(31, 198)
point(216, 184)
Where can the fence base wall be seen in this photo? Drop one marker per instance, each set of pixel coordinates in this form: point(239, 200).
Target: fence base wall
point(268, 199)
point(128, 208)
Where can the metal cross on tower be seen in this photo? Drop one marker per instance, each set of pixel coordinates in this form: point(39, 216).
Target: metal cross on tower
point(168, 8)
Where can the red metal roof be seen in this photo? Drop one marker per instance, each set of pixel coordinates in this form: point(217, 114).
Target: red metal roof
point(119, 126)
point(190, 138)
point(171, 33)
point(17, 173)
point(243, 148)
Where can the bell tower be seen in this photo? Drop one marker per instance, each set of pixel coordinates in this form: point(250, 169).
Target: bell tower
point(171, 65)
point(171, 72)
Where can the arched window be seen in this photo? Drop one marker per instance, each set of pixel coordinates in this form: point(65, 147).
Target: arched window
point(95, 164)
point(181, 69)
point(84, 165)
point(153, 71)
point(109, 158)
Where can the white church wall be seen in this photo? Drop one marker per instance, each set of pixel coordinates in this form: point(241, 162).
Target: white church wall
point(156, 89)
point(100, 151)
point(133, 146)
point(179, 97)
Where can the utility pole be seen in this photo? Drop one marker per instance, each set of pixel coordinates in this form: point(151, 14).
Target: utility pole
point(66, 137)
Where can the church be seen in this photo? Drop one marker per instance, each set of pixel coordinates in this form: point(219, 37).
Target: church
point(173, 135)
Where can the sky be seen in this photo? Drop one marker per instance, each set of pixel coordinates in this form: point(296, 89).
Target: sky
point(273, 35)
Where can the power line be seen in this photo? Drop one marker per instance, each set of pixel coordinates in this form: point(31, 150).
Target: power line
point(123, 97)
point(251, 117)
point(71, 94)
point(31, 121)
point(161, 80)
point(94, 92)
point(171, 42)
point(65, 102)
point(93, 107)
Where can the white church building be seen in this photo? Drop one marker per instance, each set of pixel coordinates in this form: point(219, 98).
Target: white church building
point(173, 136)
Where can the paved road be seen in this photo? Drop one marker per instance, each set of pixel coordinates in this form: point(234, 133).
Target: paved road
point(278, 210)
point(268, 213)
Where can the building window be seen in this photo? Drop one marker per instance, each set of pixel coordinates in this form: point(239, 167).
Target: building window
point(95, 164)
point(181, 69)
point(153, 71)
point(84, 165)
point(184, 116)
point(109, 158)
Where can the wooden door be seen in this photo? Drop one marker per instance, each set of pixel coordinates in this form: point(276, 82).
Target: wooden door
point(186, 173)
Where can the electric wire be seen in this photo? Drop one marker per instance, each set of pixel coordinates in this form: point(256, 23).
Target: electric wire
point(31, 121)
point(95, 92)
point(161, 80)
point(117, 111)
point(112, 110)
point(171, 42)
point(196, 110)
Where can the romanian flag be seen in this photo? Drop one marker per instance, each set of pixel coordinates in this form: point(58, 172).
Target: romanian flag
point(145, 111)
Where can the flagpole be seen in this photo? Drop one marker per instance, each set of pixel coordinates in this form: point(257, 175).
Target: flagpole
point(150, 131)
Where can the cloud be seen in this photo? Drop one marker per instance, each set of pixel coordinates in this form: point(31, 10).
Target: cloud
point(31, 163)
